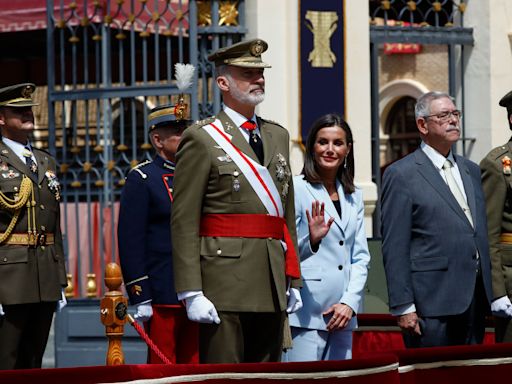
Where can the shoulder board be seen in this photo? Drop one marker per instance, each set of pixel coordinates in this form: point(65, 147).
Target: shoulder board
point(203, 122)
point(272, 122)
point(497, 152)
point(138, 169)
point(42, 150)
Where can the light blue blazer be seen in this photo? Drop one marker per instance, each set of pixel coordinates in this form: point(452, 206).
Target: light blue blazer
point(337, 272)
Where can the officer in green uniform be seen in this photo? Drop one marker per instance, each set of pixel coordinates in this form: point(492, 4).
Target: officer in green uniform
point(32, 272)
point(232, 176)
point(497, 184)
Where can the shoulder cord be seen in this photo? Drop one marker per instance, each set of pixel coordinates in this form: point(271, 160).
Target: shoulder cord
point(26, 191)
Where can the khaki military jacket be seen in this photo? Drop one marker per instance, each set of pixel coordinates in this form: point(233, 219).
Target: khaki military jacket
point(497, 185)
point(236, 274)
point(31, 274)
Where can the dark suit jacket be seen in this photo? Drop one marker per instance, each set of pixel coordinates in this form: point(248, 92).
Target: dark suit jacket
point(31, 275)
point(236, 274)
point(429, 246)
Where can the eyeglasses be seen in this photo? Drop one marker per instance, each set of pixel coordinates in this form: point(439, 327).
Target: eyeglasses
point(445, 116)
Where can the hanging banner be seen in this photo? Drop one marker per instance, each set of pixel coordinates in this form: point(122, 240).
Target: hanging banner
point(322, 61)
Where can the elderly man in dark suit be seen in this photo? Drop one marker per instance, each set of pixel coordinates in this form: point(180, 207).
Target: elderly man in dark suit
point(435, 247)
point(233, 222)
point(32, 272)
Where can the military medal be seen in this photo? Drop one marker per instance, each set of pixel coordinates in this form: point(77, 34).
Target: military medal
point(283, 174)
point(10, 174)
point(53, 184)
point(236, 185)
point(284, 192)
point(506, 165)
point(279, 172)
point(236, 182)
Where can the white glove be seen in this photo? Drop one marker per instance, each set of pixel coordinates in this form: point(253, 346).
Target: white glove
point(62, 302)
point(144, 312)
point(1, 310)
point(502, 307)
point(294, 300)
point(202, 310)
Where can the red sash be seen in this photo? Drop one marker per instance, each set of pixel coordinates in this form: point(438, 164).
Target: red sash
point(253, 226)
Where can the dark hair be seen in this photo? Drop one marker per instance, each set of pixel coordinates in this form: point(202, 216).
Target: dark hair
point(344, 175)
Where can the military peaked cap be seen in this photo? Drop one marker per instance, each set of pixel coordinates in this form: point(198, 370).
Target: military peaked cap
point(168, 116)
point(18, 95)
point(245, 54)
point(506, 101)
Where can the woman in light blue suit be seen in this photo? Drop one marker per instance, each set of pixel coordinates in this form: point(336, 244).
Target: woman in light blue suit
point(329, 213)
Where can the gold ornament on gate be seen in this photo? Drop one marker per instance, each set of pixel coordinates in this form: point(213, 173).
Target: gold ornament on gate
point(69, 291)
point(91, 285)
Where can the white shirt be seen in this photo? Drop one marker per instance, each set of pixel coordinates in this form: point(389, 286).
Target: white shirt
point(439, 160)
point(239, 119)
point(19, 149)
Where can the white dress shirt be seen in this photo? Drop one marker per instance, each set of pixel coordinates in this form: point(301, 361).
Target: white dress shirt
point(239, 119)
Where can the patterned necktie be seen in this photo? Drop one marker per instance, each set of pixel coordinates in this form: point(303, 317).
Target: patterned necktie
point(31, 164)
point(254, 140)
point(452, 184)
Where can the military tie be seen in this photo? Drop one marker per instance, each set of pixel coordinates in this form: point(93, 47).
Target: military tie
point(254, 140)
point(452, 184)
point(31, 164)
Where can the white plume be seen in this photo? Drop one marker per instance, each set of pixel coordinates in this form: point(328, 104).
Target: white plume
point(184, 74)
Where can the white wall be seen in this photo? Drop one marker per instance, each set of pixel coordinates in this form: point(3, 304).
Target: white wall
point(277, 23)
point(488, 74)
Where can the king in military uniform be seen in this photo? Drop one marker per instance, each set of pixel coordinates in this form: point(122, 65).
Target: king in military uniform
point(144, 234)
point(233, 223)
point(32, 271)
point(497, 184)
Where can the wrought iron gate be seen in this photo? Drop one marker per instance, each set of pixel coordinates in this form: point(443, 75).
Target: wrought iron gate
point(109, 63)
point(416, 22)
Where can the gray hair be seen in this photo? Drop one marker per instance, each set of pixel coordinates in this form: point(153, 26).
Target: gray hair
point(221, 70)
point(422, 107)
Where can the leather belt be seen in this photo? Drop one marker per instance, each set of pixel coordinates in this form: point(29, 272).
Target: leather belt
point(506, 238)
point(31, 240)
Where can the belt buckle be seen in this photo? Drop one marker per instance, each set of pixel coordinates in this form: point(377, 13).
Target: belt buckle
point(41, 239)
point(36, 239)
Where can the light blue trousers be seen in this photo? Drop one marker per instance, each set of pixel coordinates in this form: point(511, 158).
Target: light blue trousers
point(315, 345)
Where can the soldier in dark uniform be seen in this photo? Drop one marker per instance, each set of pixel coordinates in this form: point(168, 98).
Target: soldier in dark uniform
point(497, 184)
point(32, 271)
point(144, 233)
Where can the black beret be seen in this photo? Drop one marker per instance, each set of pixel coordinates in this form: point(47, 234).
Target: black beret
point(506, 101)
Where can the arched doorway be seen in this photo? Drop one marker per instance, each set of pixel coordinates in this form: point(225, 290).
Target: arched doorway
point(400, 126)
